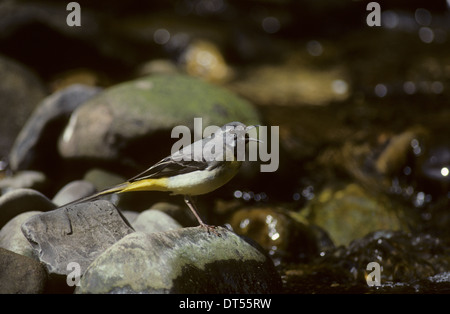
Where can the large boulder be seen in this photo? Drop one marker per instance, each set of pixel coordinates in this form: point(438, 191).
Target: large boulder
point(135, 118)
point(188, 260)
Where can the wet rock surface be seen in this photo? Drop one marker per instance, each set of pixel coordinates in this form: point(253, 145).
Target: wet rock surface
point(153, 220)
point(125, 118)
point(20, 90)
point(12, 238)
point(27, 179)
point(21, 274)
point(351, 212)
point(293, 85)
point(76, 233)
point(188, 260)
point(73, 191)
point(411, 264)
point(19, 201)
point(284, 238)
point(35, 147)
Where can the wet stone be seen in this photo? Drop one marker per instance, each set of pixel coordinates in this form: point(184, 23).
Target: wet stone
point(32, 148)
point(351, 212)
point(281, 236)
point(394, 155)
point(19, 201)
point(27, 179)
point(404, 257)
point(20, 91)
point(118, 124)
point(157, 66)
point(12, 238)
point(76, 233)
point(215, 70)
point(153, 220)
point(180, 213)
point(188, 260)
point(102, 179)
point(406, 264)
point(20, 274)
point(293, 84)
point(73, 191)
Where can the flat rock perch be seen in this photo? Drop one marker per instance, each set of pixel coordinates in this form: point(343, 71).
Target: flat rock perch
point(77, 233)
point(188, 260)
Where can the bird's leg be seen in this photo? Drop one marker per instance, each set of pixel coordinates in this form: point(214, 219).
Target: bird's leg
point(190, 203)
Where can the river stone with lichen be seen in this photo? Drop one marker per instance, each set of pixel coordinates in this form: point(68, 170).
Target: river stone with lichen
point(131, 118)
point(351, 212)
point(188, 260)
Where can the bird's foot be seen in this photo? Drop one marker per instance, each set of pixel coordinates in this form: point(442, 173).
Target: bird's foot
point(210, 229)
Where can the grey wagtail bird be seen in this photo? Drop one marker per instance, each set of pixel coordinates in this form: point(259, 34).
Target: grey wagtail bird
point(190, 171)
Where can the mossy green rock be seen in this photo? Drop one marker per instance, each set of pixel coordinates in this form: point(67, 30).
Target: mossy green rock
point(352, 212)
point(188, 260)
point(135, 117)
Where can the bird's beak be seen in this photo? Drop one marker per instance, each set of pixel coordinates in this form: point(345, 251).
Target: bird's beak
point(251, 138)
point(254, 140)
point(251, 127)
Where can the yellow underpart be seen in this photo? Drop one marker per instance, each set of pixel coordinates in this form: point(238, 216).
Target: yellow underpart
point(146, 185)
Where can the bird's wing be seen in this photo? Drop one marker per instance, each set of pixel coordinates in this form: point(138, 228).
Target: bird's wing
point(186, 160)
point(169, 167)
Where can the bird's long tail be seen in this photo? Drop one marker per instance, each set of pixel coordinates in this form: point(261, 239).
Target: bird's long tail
point(159, 184)
point(115, 189)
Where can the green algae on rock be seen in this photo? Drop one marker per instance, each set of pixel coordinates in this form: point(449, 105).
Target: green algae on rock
point(132, 117)
point(188, 260)
point(352, 212)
